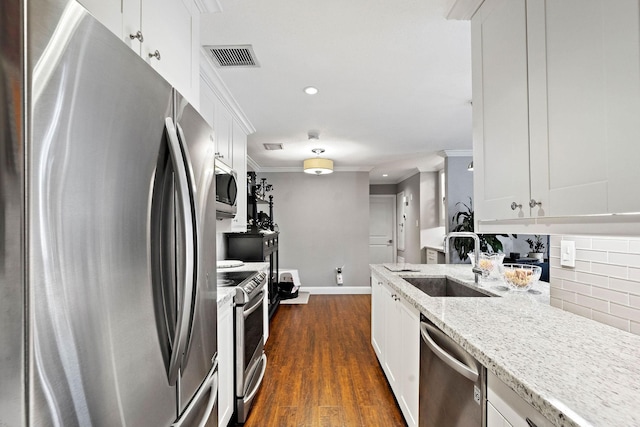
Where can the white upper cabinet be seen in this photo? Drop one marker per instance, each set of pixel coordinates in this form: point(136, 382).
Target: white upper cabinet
point(500, 109)
point(593, 103)
point(556, 90)
point(239, 164)
point(168, 27)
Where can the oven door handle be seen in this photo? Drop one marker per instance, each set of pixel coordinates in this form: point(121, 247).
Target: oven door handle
point(259, 301)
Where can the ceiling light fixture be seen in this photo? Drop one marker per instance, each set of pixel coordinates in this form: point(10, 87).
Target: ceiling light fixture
point(470, 167)
point(310, 90)
point(385, 175)
point(318, 165)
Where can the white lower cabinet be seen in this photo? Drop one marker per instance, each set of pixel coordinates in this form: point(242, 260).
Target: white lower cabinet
point(265, 312)
point(395, 337)
point(226, 393)
point(506, 409)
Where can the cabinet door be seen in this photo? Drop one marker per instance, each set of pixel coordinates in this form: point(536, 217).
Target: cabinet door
point(167, 28)
point(265, 311)
point(494, 418)
point(378, 316)
point(410, 364)
point(239, 164)
point(500, 109)
point(223, 127)
point(593, 103)
point(225, 364)
point(393, 342)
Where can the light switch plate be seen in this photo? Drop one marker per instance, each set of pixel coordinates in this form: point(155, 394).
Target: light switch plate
point(567, 253)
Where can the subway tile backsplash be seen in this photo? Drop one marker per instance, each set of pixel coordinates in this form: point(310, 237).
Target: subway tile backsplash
point(605, 283)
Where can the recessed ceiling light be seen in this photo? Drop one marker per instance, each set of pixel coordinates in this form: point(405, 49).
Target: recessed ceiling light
point(385, 175)
point(310, 90)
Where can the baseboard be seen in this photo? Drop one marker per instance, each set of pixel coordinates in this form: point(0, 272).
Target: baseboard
point(337, 290)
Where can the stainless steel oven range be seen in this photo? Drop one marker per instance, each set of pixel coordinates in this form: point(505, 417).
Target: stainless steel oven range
point(250, 360)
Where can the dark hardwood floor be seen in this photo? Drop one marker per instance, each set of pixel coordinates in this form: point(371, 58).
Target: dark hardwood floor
point(322, 370)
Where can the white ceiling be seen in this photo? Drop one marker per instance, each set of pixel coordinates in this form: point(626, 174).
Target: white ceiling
point(394, 80)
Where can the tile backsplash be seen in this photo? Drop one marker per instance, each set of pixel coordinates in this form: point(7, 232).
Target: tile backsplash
point(605, 283)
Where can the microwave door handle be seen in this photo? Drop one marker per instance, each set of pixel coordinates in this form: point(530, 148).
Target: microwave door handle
point(194, 233)
point(185, 283)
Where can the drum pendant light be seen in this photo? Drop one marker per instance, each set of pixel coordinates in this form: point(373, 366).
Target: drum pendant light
point(318, 165)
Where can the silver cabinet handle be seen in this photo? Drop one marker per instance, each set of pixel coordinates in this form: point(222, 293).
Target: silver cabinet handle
point(219, 156)
point(138, 36)
point(155, 54)
point(529, 422)
point(466, 371)
point(533, 203)
point(515, 206)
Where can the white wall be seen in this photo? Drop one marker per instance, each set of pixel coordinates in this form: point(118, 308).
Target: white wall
point(605, 283)
point(324, 224)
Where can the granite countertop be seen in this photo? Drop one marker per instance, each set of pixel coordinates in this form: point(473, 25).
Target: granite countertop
point(226, 293)
point(575, 371)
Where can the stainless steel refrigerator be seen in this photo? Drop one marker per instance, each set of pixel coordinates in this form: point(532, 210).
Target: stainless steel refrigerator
point(107, 232)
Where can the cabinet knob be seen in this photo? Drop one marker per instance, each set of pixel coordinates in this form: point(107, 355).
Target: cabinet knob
point(515, 206)
point(533, 203)
point(138, 36)
point(155, 54)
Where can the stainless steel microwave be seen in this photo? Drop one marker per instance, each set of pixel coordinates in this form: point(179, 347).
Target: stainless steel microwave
point(226, 191)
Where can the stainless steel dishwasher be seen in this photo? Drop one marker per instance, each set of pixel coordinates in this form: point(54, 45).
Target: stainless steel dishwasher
point(452, 382)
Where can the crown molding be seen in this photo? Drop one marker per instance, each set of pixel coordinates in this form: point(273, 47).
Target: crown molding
point(455, 153)
point(408, 175)
point(208, 6)
point(220, 89)
point(463, 9)
point(253, 165)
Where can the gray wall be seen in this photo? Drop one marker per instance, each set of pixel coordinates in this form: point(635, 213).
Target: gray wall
point(377, 189)
point(429, 203)
point(411, 188)
point(324, 224)
point(459, 183)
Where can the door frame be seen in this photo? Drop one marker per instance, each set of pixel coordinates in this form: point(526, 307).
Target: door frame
point(394, 236)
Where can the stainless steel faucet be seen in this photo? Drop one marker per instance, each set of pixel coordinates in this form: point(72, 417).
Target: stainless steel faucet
point(476, 250)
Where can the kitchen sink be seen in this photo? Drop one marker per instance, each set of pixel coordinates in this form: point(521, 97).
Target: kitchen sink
point(444, 287)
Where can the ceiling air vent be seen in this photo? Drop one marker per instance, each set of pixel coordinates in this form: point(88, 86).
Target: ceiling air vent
point(273, 147)
point(233, 56)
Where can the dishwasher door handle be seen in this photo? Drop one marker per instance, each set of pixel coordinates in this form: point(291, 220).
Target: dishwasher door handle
point(466, 371)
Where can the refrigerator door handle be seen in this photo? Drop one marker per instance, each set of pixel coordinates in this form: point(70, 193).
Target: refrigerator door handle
point(195, 232)
point(211, 385)
point(179, 341)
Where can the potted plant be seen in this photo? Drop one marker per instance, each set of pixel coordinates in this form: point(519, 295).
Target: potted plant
point(536, 246)
point(464, 222)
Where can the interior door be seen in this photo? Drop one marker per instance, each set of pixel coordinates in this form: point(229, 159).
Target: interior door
point(381, 229)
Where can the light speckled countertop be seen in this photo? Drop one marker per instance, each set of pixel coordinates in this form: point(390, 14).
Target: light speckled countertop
point(226, 293)
point(575, 371)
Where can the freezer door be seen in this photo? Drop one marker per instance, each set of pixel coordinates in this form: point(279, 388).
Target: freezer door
point(202, 410)
point(196, 138)
point(97, 125)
